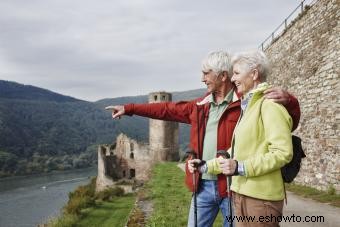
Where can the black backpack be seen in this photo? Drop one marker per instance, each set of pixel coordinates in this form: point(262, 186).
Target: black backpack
point(291, 170)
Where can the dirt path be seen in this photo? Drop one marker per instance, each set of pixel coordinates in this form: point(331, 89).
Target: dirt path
point(300, 210)
point(141, 212)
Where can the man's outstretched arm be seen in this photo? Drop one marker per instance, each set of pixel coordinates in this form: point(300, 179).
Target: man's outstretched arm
point(169, 111)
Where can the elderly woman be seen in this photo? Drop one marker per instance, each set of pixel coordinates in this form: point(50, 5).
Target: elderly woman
point(261, 145)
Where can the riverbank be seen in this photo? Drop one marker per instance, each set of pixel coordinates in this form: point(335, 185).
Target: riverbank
point(85, 207)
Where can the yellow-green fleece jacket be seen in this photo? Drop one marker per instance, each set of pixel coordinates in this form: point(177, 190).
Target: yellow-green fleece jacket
point(263, 142)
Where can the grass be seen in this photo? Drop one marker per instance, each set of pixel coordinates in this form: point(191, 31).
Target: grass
point(325, 197)
point(170, 197)
point(86, 208)
point(104, 214)
point(108, 214)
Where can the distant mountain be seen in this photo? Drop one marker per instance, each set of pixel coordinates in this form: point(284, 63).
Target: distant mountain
point(13, 90)
point(42, 131)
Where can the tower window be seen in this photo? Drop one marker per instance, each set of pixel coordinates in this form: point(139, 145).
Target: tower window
point(155, 97)
point(132, 155)
point(163, 97)
point(132, 147)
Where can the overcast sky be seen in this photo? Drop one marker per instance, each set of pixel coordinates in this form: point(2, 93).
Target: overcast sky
point(111, 48)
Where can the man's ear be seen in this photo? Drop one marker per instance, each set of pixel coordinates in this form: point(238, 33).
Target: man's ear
point(224, 76)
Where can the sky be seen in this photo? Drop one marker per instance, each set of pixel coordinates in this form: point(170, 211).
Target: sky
point(112, 48)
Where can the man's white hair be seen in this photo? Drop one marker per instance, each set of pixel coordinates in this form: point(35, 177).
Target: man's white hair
point(218, 62)
point(250, 60)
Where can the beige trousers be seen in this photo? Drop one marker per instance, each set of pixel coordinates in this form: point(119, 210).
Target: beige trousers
point(256, 212)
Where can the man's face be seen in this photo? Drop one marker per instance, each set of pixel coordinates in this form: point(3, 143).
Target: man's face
point(242, 78)
point(212, 80)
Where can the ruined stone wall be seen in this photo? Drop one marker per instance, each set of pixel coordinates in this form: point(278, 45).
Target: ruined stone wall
point(103, 180)
point(306, 61)
point(133, 157)
point(125, 159)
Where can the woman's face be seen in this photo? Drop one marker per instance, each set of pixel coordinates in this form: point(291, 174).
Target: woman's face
point(243, 78)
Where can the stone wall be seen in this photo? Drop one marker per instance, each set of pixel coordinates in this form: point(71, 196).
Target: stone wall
point(103, 180)
point(163, 135)
point(306, 61)
point(134, 158)
point(125, 159)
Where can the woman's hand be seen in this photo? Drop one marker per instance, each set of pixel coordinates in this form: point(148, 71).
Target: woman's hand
point(227, 166)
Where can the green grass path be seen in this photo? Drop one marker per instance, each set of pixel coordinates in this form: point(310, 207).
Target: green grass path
point(170, 197)
point(108, 214)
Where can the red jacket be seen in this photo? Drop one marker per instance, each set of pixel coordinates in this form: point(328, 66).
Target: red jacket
point(197, 115)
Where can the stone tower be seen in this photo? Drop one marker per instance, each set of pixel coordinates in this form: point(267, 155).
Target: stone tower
point(163, 135)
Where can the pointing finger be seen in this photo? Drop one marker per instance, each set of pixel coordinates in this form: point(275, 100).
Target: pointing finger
point(110, 108)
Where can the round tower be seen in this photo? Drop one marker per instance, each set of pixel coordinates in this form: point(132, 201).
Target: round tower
point(163, 135)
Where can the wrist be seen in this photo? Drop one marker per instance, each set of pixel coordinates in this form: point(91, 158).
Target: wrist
point(241, 169)
point(236, 169)
point(203, 167)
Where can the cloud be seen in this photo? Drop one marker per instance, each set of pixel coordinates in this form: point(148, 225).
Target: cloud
point(93, 50)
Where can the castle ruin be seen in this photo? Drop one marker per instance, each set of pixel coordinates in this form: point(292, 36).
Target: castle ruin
point(131, 161)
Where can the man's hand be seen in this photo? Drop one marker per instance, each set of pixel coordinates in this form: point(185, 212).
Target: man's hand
point(117, 111)
point(192, 165)
point(227, 166)
point(278, 95)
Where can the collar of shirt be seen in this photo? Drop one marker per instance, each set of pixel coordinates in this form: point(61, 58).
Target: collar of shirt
point(227, 99)
point(245, 101)
point(259, 88)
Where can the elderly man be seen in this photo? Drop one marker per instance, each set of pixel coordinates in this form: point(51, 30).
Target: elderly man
point(213, 119)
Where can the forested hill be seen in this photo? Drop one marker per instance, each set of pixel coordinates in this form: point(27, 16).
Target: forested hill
point(12, 90)
point(42, 131)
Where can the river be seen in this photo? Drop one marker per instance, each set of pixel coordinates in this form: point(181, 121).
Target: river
point(31, 200)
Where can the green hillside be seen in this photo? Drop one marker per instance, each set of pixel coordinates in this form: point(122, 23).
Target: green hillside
point(41, 131)
point(13, 90)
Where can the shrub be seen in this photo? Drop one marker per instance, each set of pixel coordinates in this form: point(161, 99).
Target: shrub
point(331, 190)
point(75, 204)
point(81, 198)
point(84, 191)
point(64, 221)
point(108, 193)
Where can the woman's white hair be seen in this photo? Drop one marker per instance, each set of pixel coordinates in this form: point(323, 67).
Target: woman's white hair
point(218, 62)
point(250, 60)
